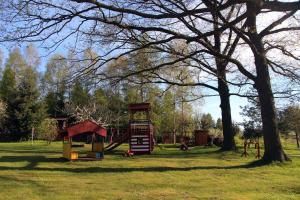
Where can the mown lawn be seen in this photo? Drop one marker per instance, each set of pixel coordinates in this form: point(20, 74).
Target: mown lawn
point(38, 172)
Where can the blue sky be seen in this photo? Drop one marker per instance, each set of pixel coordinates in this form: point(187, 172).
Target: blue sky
point(212, 106)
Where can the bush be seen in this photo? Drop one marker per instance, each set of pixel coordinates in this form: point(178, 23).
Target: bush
point(48, 130)
point(3, 115)
point(251, 133)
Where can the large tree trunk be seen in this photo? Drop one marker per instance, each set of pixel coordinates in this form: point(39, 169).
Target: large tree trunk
point(223, 90)
point(272, 143)
point(297, 138)
point(228, 132)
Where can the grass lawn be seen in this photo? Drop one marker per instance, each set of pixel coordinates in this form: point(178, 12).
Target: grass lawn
point(38, 172)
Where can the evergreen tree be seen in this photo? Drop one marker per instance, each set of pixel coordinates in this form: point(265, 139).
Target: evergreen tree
point(54, 84)
point(16, 62)
point(219, 124)
point(29, 110)
point(8, 84)
point(8, 95)
point(79, 94)
point(207, 121)
point(19, 91)
point(100, 97)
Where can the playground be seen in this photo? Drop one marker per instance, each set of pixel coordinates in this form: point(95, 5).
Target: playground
point(38, 172)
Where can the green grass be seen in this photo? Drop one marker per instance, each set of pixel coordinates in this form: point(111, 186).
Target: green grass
point(38, 172)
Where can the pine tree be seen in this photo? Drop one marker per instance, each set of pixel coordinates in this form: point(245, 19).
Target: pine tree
point(79, 94)
point(30, 111)
point(18, 89)
point(100, 97)
point(8, 95)
point(54, 84)
point(219, 124)
point(207, 121)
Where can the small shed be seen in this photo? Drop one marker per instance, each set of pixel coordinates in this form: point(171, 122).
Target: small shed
point(87, 127)
point(168, 138)
point(201, 137)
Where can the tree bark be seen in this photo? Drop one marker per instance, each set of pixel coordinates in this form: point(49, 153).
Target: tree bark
point(297, 138)
point(272, 143)
point(223, 90)
point(228, 132)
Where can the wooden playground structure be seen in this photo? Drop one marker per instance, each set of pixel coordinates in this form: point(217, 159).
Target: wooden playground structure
point(97, 133)
point(247, 143)
point(140, 131)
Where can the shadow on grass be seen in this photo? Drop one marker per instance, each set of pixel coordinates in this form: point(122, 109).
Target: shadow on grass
point(28, 151)
point(17, 181)
point(35, 160)
point(177, 153)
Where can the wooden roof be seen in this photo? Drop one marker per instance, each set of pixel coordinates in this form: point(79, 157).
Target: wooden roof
point(139, 107)
point(84, 127)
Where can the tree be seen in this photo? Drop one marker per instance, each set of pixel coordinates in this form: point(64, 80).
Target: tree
point(8, 84)
point(54, 84)
point(207, 121)
point(30, 111)
point(47, 130)
point(1, 58)
point(289, 120)
point(16, 62)
point(96, 113)
point(79, 94)
point(168, 113)
point(262, 80)
point(8, 95)
point(219, 124)
point(31, 56)
point(3, 115)
point(19, 91)
point(100, 97)
point(252, 119)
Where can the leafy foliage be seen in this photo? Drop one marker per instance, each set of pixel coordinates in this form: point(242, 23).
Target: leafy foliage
point(252, 119)
point(19, 91)
point(289, 119)
point(47, 130)
point(207, 121)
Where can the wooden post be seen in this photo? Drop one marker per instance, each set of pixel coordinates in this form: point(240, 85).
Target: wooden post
point(32, 134)
point(245, 148)
point(182, 128)
point(297, 138)
point(258, 148)
point(174, 122)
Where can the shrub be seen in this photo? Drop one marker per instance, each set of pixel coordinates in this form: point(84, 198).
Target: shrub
point(48, 130)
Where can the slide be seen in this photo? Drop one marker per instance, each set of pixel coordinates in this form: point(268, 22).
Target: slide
point(115, 143)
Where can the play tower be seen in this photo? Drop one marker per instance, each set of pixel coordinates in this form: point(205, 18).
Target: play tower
point(141, 133)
